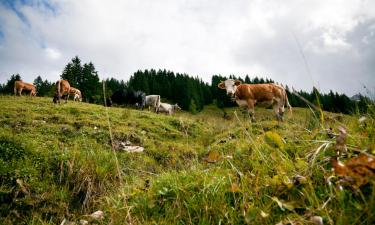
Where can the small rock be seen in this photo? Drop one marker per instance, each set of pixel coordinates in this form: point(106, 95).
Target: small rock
point(133, 148)
point(97, 215)
point(64, 129)
point(83, 222)
point(317, 220)
point(143, 132)
point(263, 214)
point(122, 144)
point(67, 222)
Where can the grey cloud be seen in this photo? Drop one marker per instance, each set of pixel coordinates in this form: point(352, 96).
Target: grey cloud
point(195, 37)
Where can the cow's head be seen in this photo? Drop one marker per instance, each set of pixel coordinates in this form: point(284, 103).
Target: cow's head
point(176, 107)
point(78, 96)
point(33, 92)
point(230, 86)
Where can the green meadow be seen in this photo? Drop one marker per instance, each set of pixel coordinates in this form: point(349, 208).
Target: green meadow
point(61, 163)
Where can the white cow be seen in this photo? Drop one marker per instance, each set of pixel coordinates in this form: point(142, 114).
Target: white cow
point(168, 108)
point(153, 101)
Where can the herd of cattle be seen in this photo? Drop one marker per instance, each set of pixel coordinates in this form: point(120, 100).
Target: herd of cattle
point(137, 98)
point(245, 95)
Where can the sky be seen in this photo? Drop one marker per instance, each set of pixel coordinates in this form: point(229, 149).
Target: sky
point(329, 44)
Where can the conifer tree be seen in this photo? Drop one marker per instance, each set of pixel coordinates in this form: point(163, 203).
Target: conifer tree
point(73, 73)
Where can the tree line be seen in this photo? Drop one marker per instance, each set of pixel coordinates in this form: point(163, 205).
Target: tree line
point(191, 93)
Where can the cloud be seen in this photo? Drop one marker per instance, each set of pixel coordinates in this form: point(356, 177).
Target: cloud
point(52, 53)
point(203, 38)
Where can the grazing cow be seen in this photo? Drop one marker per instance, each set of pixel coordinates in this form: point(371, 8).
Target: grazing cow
point(19, 86)
point(153, 101)
point(62, 91)
point(129, 97)
point(168, 108)
point(77, 96)
point(250, 95)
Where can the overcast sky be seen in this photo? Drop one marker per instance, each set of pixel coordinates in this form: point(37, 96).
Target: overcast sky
point(201, 38)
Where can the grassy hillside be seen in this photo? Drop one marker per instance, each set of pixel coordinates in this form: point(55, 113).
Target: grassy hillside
point(66, 161)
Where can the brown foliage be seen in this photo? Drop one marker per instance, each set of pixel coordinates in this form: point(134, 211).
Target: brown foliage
point(356, 171)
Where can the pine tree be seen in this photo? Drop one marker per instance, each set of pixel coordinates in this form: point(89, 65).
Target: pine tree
point(247, 79)
point(44, 88)
point(73, 73)
point(193, 107)
point(38, 82)
point(90, 85)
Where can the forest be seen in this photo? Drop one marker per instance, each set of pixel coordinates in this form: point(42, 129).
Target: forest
point(191, 93)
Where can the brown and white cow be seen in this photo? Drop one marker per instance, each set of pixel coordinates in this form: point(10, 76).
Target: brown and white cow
point(77, 96)
point(250, 95)
point(19, 86)
point(62, 91)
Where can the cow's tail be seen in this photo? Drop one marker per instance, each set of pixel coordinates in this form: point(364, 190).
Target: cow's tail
point(15, 89)
point(58, 90)
point(287, 103)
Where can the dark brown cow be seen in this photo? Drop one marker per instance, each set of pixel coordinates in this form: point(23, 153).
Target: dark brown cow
point(19, 86)
point(250, 95)
point(62, 91)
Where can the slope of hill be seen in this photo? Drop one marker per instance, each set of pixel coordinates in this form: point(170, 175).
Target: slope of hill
point(66, 161)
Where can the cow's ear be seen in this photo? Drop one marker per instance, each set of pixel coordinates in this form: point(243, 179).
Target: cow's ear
point(221, 85)
point(237, 82)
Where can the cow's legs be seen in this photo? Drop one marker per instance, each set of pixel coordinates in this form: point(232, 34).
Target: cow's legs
point(279, 111)
point(251, 112)
point(250, 109)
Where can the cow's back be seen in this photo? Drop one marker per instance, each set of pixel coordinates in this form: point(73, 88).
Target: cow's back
point(63, 87)
point(258, 92)
point(18, 84)
point(153, 100)
point(165, 107)
point(73, 90)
